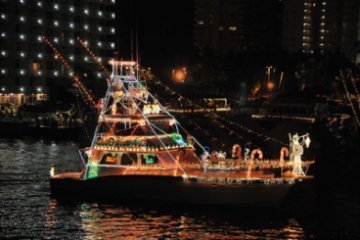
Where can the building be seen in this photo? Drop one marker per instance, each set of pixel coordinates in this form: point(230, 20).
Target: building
point(27, 65)
point(321, 25)
point(238, 25)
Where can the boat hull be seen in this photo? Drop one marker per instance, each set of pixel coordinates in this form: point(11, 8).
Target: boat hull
point(171, 189)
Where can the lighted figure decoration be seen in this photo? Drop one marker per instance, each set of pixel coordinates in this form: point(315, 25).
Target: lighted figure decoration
point(296, 151)
point(236, 153)
point(220, 155)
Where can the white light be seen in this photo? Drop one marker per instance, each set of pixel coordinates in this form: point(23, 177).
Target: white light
point(56, 73)
point(3, 16)
point(3, 89)
point(113, 1)
point(113, 15)
point(100, 13)
point(86, 42)
point(56, 23)
point(39, 4)
point(112, 45)
point(22, 1)
point(22, 18)
point(3, 35)
point(86, 11)
point(56, 40)
point(3, 53)
point(86, 27)
point(22, 54)
point(22, 89)
point(71, 41)
point(39, 73)
point(71, 9)
point(56, 6)
point(113, 30)
point(40, 55)
point(3, 71)
point(100, 59)
point(39, 89)
point(22, 36)
point(71, 25)
point(100, 29)
point(40, 21)
point(39, 38)
point(99, 75)
point(71, 74)
point(71, 57)
point(22, 72)
point(86, 59)
point(99, 44)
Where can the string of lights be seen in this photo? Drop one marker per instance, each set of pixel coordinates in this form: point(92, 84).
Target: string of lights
point(85, 92)
point(349, 98)
point(95, 59)
point(216, 116)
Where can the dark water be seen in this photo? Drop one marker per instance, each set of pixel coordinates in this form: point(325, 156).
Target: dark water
point(27, 211)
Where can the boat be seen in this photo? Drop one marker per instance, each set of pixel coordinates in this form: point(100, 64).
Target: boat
point(140, 151)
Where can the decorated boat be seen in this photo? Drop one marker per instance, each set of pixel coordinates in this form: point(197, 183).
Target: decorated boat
point(141, 152)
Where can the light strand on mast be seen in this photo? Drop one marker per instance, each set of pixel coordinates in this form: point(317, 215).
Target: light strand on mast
point(95, 59)
point(76, 79)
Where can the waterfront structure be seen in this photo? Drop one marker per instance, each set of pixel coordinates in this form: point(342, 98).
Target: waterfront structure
point(238, 25)
point(322, 25)
point(27, 67)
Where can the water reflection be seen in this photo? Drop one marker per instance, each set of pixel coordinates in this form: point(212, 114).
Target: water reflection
point(108, 221)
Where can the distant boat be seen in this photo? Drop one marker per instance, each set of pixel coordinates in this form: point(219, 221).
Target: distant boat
point(139, 152)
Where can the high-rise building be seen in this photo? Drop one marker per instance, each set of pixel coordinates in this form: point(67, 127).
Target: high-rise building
point(321, 25)
point(238, 25)
point(27, 65)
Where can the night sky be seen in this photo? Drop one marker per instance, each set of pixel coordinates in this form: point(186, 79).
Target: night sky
point(164, 31)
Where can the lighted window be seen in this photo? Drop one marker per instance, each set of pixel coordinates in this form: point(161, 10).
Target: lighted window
point(36, 67)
